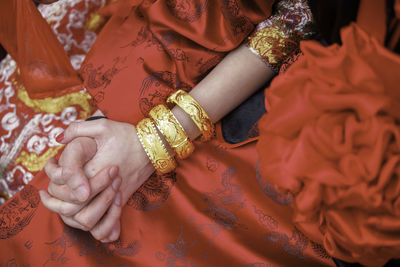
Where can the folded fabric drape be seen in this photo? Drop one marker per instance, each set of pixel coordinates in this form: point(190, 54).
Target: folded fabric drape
point(214, 210)
point(332, 137)
point(45, 69)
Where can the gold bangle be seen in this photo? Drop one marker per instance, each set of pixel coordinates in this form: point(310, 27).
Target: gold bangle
point(154, 146)
point(173, 131)
point(195, 111)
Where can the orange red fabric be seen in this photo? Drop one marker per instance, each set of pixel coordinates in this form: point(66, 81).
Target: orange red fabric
point(45, 68)
point(332, 141)
point(216, 209)
point(175, 51)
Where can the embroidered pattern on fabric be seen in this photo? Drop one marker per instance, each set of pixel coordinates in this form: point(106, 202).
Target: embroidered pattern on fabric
point(268, 221)
point(222, 201)
point(153, 193)
point(16, 214)
point(147, 38)
point(29, 126)
point(56, 104)
point(88, 246)
point(67, 19)
point(294, 245)
point(271, 191)
point(156, 88)
point(241, 25)
point(212, 164)
point(279, 36)
point(175, 252)
point(187, 10)
point(319, 250)
point(100, 78)
point(210, 229)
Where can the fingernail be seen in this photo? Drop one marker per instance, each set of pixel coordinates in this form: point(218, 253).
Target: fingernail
point(60, 138)
point(117, 200)
point(81, 193)
point(113, 172)
point(116, 184)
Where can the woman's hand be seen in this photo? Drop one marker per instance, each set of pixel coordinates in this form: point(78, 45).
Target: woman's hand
point(117, 145)
point(101, 210)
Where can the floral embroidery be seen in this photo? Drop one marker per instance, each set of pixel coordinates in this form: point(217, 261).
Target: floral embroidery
point(278, 37)
point(16, 214)
point(185, 10)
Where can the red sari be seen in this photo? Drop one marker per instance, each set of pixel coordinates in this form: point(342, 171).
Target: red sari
point(215, 209)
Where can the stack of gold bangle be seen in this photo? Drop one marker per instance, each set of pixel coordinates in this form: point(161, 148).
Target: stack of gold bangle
point(164, 120)
point(195, 111)
point(173, 131)
point(154, 147)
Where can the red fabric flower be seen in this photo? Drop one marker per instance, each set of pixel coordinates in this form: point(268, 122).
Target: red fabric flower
point(332, 138)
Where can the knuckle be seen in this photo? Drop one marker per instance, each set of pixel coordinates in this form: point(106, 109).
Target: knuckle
point(67, 172)
point(50, 189)
point(102, 125)
point(84, 222)
point(109, 197)
point(97, 234)
point(72, 128)
point(66, 211)
point(84, 228)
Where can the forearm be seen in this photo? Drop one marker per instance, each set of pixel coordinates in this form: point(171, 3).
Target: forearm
point(231, 82)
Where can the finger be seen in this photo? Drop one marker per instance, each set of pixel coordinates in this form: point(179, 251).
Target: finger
point(58, 206)
point(78, 182)
point(94, 211)
point(114, 234)
point(71, 176)
point(54, 171)
point(62, 192)
point(103, 229)
point(78, 152)
point(85, 128)
point(71, 222)
point(97, 183)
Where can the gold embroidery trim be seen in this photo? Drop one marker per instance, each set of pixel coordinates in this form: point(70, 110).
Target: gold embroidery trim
point(94, 22)
point(273, 46)
point(57, 104)
point(33, 162)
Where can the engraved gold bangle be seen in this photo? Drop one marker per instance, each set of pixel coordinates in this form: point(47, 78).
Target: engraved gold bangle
point(195, 111)
point(154, 146)
point(173, 131)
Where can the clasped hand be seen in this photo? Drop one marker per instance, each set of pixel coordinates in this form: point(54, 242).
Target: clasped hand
point(102, 165)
